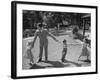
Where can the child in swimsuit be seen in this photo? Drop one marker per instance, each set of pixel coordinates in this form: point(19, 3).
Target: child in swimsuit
point(29, 54)
point(64, 51)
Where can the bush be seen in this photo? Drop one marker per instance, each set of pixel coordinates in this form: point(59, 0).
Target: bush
point(28, 33)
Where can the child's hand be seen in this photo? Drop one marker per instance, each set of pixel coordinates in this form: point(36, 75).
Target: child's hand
point(32, 46)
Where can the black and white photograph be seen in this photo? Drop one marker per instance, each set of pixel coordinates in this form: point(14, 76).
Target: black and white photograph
point(54, 39)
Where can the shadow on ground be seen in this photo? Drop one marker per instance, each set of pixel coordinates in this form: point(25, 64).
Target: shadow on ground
point(88, 61)
point(75, 63)
point(56, 64)
point(35, 66)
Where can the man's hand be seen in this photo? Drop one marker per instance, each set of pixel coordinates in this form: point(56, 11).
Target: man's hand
point(57, 40)
point(60, 42)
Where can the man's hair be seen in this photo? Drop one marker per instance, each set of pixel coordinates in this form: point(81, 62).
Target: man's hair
point(64, 41)
point(40, 25)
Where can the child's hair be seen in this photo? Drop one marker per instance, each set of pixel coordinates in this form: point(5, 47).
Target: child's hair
point(64, 41)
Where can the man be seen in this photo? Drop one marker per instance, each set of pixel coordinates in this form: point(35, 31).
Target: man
point(42, 33)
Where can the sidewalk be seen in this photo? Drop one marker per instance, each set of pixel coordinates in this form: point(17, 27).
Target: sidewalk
point(55, 53)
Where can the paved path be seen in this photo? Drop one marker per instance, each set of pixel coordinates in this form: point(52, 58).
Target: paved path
point(55, 53)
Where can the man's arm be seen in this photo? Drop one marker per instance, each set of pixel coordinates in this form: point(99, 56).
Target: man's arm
point(51, 35)
point(35, 37)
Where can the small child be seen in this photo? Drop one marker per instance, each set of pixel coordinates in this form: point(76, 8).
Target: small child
point(64, 52)
point(85, 51)
point(29, 54)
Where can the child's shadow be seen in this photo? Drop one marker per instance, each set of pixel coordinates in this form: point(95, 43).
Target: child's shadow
point(35, 66)
point(88, 61)
point(75, 63)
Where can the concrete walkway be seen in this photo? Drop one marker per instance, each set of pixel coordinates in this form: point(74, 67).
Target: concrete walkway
point(55, 53)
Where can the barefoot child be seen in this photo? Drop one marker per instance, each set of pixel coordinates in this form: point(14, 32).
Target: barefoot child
point(64, 52)
point(85, 51)
point(29, 54)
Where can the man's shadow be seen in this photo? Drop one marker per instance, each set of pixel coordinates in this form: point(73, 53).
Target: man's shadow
point(56, 64)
